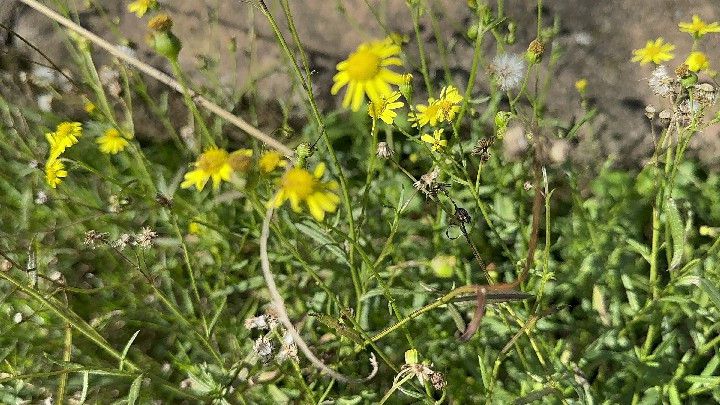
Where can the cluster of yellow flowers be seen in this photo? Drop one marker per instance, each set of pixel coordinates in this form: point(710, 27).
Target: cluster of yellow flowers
point(659, 51)
point(365, 72)
point(66, 135)
point(297, 184)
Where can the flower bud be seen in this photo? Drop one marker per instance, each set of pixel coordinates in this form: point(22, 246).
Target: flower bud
point(411, 357)
point(535, 52)
point(443, 266)
point(167, 44)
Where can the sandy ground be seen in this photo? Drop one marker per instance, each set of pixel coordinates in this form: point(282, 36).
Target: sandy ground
point(597, 38)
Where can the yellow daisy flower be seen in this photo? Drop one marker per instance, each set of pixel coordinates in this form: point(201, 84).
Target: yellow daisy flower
point(581, 86)
point(140, 7)
point(435, 140)
point(299, 185)
point(271, 160)
point(112, 142)
point(697, 61)
point(383, 108)
point(440, 110)
point(213, 163)
point(366, 71)
point(426, 114)
point(698, 28)
point(66, 135)
point(657, 52)
point(448, 103)
point(54, 172)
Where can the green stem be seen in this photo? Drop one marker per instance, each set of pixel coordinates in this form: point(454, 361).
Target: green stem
point(331, 151)
point(415, 13)
point(205, 132)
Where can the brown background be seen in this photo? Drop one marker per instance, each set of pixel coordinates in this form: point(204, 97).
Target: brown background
point(598, 38)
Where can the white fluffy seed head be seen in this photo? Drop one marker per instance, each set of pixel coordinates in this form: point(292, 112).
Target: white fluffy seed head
point(508, 69)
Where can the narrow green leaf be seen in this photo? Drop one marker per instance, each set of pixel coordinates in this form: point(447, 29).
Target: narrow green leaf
point(135, 390)
point(85, 386)
point(705, 380)
point(316, 234)
point(674, 395)
point(639, 248)
point(677, 232)
point(125, 350)
point(711, 291)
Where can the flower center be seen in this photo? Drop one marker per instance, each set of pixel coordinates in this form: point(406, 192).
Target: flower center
point(299, 182)
point(66, 129)
point(212, 161)
point(363, 65)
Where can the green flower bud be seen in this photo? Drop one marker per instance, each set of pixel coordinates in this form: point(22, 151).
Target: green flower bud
point(167, 44)
point(510, 37)
point(302, 151)
point(502, 118)
point(411, 357)
point(444, 266)
point(472, 31)
point(689, 80)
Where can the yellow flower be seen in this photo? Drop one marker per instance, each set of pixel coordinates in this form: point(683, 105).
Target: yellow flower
point(383, 108)
point(140, 7)
point(365, 72)
point(581, 85)
point(299, 185)
point(697, 61)
point(270, 161)
point(440, 110)
point(54, 172)
point(213, 163)
point(698, 28)
point(112, 142)
point(448, 103)
point(435, 140)
point(657, 51)
point(426, 114)
point(66, 135)
point(90, 107)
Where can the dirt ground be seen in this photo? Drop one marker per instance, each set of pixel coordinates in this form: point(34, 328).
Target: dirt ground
point(597, 37)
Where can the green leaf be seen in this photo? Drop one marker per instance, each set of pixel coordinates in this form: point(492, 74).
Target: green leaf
point(314, 232)
point(705, 380)
point(711, 291)
point(639, 248)
point(674, 395)
point(125, 350)
point(677, 232)
point(135, 390)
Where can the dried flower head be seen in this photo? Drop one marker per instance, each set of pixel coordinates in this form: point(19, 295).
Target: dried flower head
point(508, 70)
point(145, 238)
point(428, 183)
point(41, 198)
point(93, 238)
point(482, 148)
point(257, 322)
point(705, 94)
point(263, 347)
point(161, 22)
point(123, 241)
point(384, 151)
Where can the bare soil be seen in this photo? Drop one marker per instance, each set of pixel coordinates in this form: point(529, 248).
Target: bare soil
point(597, 38)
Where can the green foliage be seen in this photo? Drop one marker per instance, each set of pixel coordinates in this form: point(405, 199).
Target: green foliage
point(118, 286)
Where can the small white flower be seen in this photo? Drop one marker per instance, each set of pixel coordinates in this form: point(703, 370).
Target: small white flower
point(18, 317)
point(508, 69)
point(122, 242)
